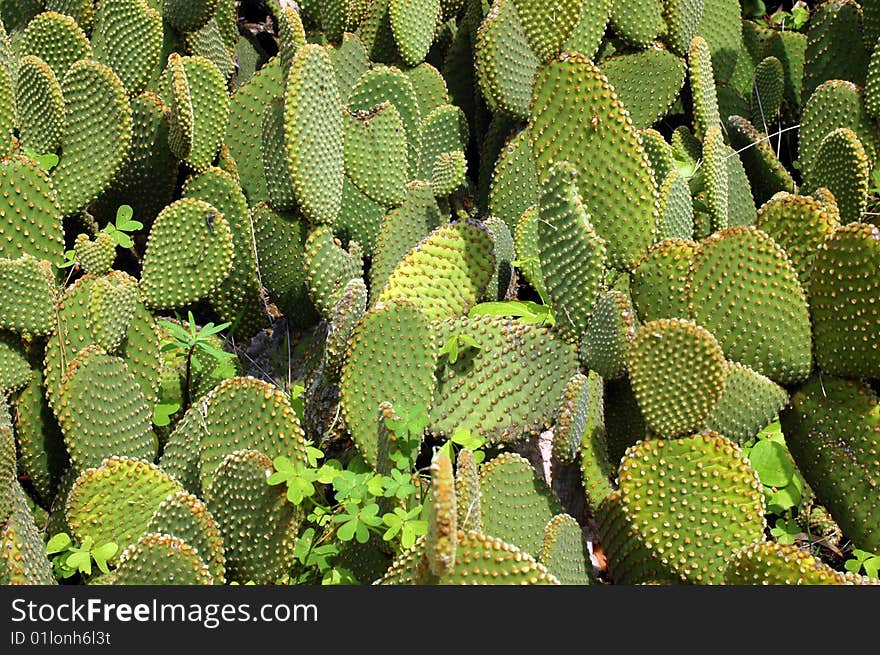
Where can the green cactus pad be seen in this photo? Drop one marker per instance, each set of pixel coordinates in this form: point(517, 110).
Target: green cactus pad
point(402, 229)
point(767, 92)
point(610, 328)
point(208, 42)
point(429, 86)
point(313, 134)
point(831, 430)
point(467, 492)
point(682, 18)
point(745, 290)
point(589, 32)
point(22, 552)
point(243, 134)
point(548, 25)
point(532, 382)
point(721, 26)
point(199, 109)
point(97, 134)
point(128, 38)
point(625, 210)
point(112, 304)
point(597, 471)
point(504, 62)
point(102, 412)
point(8, 118)
point(724, 509)
point(572, 255)
point(441, 540)
point(516, 503)
point(361, 218)
point(370, 374)
point(504, 276)
point(637, 23)
point(258, 524)
point(676, 208)
point(463, 252)
point(346, 316)
point(186, 517)
point(188, 15)
point(448, 172)
point(116, 500)
point(660, 281)
point(833, 105)
point(647, 98)
point(702, 81)
point(43, 456)
point(444, 130)
point(774, 563)
point(291, 35)
point(83, 11)
point(413, 25)
point(328, 268)
point(180, 456)
point(39, 106)
point(843, 309)
point(578, 399)
point(677, 373)
point(660, 155)
point(8, 464)
point(525, 239)
point(841, 165)
point(747, 405)
point(27, 295)
point(56, 39)
point(238, 298)
point(564, 551)
point(350, 61)
point(835, 48)
point(279, 179)
point(715, 174)
point(766, 173)
point(376, 153)
point(280, 243)
point(514, 185)
point(15, 371)
point(189, 253)
point(160, 559)
point(147, 180)
point(789, 47)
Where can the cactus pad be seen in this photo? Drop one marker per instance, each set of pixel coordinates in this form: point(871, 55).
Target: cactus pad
point(160, 559)
point(441, 539)
point(610, 329)
point(27, 295)
point(773, 563)
point(564, 551)
point(841, 166)
point(376, 153)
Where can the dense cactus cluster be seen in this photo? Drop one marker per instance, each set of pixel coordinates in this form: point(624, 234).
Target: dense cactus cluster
point(537, 278)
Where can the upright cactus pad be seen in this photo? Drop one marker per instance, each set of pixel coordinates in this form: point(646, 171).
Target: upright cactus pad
point(467, 492)
point(514, 185)
point(724, 509)
point(660, 280)
point(841, 165)
point(160, 559)
point(376, 153)
point(831, 430)
point(188, 15)
point(610, 329)
point(516, 504)
point(842, 292)
point(27, 295)
point(258, 524)
point(766, 174)
point(22, 552)
point(763, 325)
point(15, 372)
point(441, 539)
point(620, 196)
point(413, 25)
point(774, 563)
point(30, 219)
point(646, 98)
point(128, 39)
point(56, 39)
point(564, 551)
point(39, 105)
point(677, 373)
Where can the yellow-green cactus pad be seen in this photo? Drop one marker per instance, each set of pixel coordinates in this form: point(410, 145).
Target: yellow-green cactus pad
point(841, 165)
point(160, 559)
point(441, 540)
point(102, 411)
point(527, 365)
point(467, 492)
point(610, 329)
point(376, 153)
point(462, 253)
point(660, 281)
point(276, 167)
point(97, 134)
point(413, 23)
point(39, 106)
point(774, 563)
point(589, 32)
point(620, 192)
point(313, 126)
point(597, 470)
point(637, 23)
point(444, 130)
point(186, 517)
point(391, 338)
point(56, 39)
point(548, 25)
point(516, 503)
point(208, 42)
point(328, 268)
point(677, 372)
point(564, 551)
point(350, 62)
point(15, 371)
point(745, 290)
point(504, 62)
point(189, 253)
point(831, 430)
point(682, 18)
point(702, 81)
point(27, 295)
point(578, 399)
point(514, 185)
point(112, 305)
point(199, 109)
point(767, 92)
point(291, 35)
point(128, 38)
point(747, 405)
point(835, 47)
point(693, 502)
point(676, 207)
point(843, 309)
point(647, 98)
point(83, 11)
point(116, 500)
point(715, 154)
point(259, 525)
point(721, 27)
point(765, 172)
point(22, 551)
